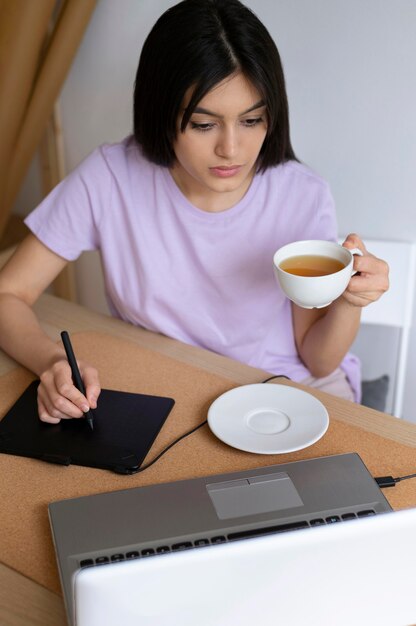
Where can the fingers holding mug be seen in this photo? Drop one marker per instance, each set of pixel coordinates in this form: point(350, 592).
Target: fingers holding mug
point(354, 244)
point(371, 274)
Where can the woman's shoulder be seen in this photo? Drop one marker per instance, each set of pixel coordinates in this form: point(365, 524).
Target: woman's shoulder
point(121, 155)
point(115, 160)
point(295, 187)
point(295, 172)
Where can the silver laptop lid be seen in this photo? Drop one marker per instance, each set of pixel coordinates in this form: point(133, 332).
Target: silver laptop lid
point(143, 521)
point(359, 573)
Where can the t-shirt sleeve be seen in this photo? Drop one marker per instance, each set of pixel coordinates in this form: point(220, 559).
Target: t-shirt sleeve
point(324, 223)
point(67, 220)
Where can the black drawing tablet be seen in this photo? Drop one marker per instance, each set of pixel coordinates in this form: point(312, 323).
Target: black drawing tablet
point(125, 427)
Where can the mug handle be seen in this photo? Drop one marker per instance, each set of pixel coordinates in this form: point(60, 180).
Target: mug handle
point(358, 252)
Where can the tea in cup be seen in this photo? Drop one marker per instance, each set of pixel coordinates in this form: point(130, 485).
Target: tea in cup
point(314, 273)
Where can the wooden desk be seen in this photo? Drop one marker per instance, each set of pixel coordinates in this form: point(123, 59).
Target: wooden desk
point(24, 602)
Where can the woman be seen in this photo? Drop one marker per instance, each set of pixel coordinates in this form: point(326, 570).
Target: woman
point(187, 214)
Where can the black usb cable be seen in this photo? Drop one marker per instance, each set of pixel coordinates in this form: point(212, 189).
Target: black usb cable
point(189, 432)
point(389, 481)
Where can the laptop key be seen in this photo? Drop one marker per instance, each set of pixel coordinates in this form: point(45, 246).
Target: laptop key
point(134, 554)
point(332, 519)
point(201, 542)
point(366, 513)
point(317, 522)
point(86, 562)
point(148, 551)
point(102, 559)
point(182, 546)
point(347, 516)
point(219, 539)
point(117, 557)
point(162, 549)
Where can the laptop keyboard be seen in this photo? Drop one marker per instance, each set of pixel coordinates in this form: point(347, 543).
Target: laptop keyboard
point(197, 543)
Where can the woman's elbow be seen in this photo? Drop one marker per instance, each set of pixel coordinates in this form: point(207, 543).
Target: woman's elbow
point(321, 369)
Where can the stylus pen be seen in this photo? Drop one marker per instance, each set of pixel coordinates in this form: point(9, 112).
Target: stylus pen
point(76, 376)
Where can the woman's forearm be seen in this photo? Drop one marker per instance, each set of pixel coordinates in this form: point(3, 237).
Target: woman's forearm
point(324, 339)
point(22, 337)
point(330, 337)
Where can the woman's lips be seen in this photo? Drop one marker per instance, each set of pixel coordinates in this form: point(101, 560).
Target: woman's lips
point(224, 171)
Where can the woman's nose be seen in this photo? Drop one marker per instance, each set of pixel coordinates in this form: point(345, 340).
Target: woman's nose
point(227, 144)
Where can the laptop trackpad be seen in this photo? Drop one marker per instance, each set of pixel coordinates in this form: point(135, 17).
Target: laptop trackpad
point(257, 494)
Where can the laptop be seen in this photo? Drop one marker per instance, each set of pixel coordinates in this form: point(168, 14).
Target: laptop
point(270, 544)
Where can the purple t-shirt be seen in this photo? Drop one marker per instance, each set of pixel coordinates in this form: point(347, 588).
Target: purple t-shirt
point(203, 278)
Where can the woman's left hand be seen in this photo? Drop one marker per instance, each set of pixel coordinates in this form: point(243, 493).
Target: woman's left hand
point(373, 278)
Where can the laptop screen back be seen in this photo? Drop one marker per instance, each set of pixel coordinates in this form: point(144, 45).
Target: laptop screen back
point(360, 572)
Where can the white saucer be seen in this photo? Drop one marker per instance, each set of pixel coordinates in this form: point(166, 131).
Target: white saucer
point(268, 419)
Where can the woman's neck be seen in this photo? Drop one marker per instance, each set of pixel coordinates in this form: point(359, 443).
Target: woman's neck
point(207, 199)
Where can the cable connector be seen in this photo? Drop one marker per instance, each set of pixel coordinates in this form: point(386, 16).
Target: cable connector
point(385, 481)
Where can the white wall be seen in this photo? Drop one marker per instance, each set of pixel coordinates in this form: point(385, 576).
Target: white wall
point(350, 69)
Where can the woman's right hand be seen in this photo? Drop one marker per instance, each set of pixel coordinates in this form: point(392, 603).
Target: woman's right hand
point(58, 398)
point(26, 275)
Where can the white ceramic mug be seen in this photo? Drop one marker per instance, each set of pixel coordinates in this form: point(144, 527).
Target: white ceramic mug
point(312, 292)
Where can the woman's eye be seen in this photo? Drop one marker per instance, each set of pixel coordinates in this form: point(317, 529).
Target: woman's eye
point(201, 127)
point(252, 121)
point(206, 126)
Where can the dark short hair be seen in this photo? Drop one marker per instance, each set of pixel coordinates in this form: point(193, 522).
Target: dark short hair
point(199, 43)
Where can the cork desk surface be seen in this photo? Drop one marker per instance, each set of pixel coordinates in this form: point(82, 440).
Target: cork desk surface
point(131, 359)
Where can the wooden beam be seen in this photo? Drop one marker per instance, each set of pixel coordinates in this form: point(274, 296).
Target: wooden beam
point(52, 160)
point(66, 37)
